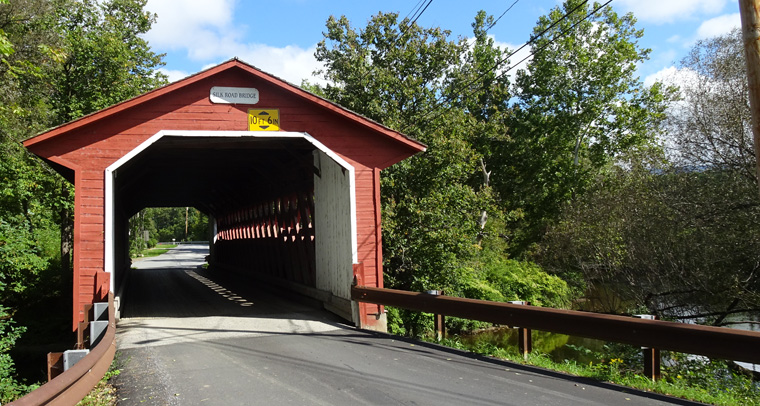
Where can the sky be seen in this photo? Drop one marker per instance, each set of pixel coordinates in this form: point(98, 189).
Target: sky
point(280, 36)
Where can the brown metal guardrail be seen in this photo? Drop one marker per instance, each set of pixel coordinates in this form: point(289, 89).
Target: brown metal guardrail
point(73, 385)
point(714, 342)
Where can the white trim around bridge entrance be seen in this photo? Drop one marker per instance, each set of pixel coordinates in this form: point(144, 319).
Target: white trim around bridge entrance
point(111, 172)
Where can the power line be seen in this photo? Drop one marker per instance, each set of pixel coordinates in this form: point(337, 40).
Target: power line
point(414, 20)
point(415, 16)
point(531, 41)
point(416, 7)
point(558, 36)
point(416, 13)
point(502, 15)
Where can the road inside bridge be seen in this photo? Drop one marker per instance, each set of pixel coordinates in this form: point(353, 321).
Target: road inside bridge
point(189, 336)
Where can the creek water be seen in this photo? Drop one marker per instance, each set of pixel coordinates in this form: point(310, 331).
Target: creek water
point(750, 327)
point(559, 347)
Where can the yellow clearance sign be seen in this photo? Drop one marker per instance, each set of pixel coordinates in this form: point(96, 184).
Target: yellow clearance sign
point(263, 120)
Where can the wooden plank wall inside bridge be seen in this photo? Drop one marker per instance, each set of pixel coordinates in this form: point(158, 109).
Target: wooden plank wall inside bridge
point(275, 237)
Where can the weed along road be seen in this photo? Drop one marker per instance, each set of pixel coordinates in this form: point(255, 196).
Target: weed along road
point(191, 337)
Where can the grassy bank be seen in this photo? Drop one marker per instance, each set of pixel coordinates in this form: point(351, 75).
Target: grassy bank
point(155, 251)
point(103, 394)
point(694, 378)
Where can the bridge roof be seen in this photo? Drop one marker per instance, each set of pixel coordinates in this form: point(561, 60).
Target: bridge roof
point(57, 134)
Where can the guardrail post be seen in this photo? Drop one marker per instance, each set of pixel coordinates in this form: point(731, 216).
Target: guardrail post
point(651, 355)
point(54, 364)
point(83, 328)
point(99, 324)
point(524, 335)
point(439, 320)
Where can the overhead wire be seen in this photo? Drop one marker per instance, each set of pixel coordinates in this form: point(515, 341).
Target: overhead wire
point(502, 15)
point(531, 41)
point(415, 17)
point(558, 36)
point(416, 13)
point(414, 20)
point(416, 7)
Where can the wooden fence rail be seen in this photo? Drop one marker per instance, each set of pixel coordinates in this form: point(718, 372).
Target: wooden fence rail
point(715, 342)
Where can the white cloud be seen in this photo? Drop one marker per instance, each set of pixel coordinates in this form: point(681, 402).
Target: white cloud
point(183, 23)
point(668, 11)
point(663, 75)
point(174, 75)
point(290, 63)
point(515, 61)
point(718, 26)
point(672, 76)
point(205, 30)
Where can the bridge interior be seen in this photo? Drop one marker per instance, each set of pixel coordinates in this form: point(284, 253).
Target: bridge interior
point(214, 174)
point(257, 191)
point(172, 299)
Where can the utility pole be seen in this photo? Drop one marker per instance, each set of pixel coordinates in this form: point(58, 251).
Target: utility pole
point(750, 14)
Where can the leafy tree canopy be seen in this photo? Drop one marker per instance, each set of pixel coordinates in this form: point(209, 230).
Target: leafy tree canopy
point(106, 60)
point(58, 60)
point(711, 126)
point(579, 105)
point(676, 233)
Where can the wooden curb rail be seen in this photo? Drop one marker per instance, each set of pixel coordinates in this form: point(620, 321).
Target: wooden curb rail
point(715, 342)
point(73, 385)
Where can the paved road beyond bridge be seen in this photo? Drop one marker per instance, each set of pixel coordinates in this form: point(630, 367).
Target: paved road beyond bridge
point(189, 336)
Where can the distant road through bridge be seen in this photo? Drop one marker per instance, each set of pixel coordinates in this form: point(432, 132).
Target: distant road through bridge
point(190, 336)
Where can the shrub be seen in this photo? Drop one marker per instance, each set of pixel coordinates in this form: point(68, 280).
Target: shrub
point(10, 388)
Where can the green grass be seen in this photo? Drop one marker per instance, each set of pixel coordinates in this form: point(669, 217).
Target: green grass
point(709, 382)
point(103, 394)
point(154, 252)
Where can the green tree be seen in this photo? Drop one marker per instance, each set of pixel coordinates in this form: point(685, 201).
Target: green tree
point(678, 237)
point(389, 71)
point(28, 48)
point(31, 48)
point(170, 223)
point(442, 221)
point(197, 225)
point(398, 73)
point(579, 105)
point(665, 239)
point(107, 61)
point(10, 388)
point(60, 59)
point(711, 126)
point(28, 186)
point(167, 224)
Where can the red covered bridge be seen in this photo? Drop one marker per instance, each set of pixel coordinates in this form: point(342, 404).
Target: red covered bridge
point(298, 206)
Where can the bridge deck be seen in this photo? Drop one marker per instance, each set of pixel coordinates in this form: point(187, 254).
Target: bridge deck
point(189, 337)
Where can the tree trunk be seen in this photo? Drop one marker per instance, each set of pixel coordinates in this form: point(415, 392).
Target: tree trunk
point(484, 214)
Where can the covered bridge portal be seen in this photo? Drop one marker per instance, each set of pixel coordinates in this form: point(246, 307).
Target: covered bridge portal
point(298, 207)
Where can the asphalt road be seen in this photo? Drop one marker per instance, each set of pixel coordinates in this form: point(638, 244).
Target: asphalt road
point(189, 337)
